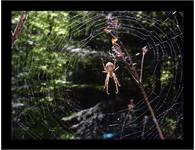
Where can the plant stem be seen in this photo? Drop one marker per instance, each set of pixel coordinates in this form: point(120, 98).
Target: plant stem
point(143, 130)
point(152, 112)
point(124, 124)
point(19, 27)
point(135, 75)
point(142, 63)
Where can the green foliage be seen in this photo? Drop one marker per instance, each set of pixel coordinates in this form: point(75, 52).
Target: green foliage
point(170, 127)
point(67, 136)
point(166, 72)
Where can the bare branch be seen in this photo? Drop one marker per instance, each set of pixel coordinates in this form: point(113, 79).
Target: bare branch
point(19, 27)
point(128, 61)
point(144, 51)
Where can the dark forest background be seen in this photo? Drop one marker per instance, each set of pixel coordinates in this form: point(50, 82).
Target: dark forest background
point(57, 79)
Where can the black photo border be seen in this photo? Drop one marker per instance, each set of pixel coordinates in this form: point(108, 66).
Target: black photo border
point(185, 6)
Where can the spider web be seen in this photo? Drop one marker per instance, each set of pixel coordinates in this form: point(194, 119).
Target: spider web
point(164, 90)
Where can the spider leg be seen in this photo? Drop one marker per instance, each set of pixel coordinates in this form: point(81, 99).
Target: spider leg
point(106, 84)
point(116, 68)
point(116, 79)
point(103, 65)
point(116, 82)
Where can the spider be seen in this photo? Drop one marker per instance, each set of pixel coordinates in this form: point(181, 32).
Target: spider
point(110, 68)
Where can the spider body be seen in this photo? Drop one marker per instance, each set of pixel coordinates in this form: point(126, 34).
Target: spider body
point(110, 69)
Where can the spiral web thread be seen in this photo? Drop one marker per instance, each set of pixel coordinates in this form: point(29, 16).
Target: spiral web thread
point(169, 46)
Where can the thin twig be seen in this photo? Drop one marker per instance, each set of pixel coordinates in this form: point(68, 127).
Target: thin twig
point(124, 122)
point(152, 112)
point(144, 126)
point(19, 27)
point(144, 51)
point(142, 62)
